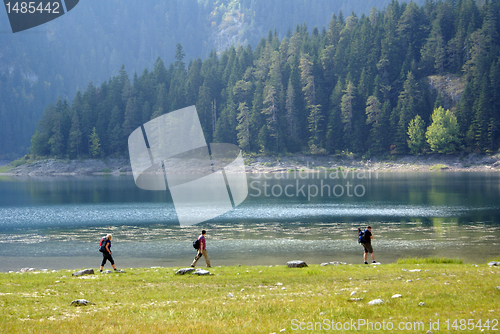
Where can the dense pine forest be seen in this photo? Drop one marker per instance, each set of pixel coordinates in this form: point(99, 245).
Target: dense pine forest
point(92, 42)
point(360, 85)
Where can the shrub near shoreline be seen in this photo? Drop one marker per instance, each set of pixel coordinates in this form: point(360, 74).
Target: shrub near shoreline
point(254, 299)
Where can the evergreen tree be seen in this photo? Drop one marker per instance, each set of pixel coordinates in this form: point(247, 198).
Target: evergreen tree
point(291, 117)
point(179, 56)
point(314, 117)
point(243, 127)
point(75, 137)
point(95, 145)
point(406, 110)
point(335, 132)
point(347, 107)
point(271, 109)
point(416, 135)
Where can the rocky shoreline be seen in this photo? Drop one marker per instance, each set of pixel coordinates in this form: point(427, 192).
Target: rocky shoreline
point(268, 164)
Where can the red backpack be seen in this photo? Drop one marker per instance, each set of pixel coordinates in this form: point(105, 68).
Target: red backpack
point(102, 244)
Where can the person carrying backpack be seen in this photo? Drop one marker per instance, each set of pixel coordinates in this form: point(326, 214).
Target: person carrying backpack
point(105, 248)
point(202, 250)
point(365, 238)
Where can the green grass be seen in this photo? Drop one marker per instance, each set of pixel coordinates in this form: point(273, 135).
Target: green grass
point(265, 299)
point(434, 260)
point(438, 167)
point(6, 168)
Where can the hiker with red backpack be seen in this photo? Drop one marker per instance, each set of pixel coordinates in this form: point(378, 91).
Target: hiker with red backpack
point(105, 249)
point(201, 245)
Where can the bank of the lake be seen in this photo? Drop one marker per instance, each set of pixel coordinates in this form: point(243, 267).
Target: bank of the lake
point(271, 164)
point(415, 298)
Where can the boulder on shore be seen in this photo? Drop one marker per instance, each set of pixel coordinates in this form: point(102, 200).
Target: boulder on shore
point(201, 272)
point(184, 271)
point(296, 264)
point(84, 272)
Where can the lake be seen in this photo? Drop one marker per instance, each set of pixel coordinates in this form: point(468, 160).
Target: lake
point(56, 222)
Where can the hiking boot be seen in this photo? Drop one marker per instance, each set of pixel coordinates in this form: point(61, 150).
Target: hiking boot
point(366, 262)
point(192, 266)
point(374, 261)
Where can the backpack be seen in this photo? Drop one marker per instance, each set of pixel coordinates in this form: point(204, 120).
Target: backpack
point(361, 237)
point(196, 244)
point(102, 244)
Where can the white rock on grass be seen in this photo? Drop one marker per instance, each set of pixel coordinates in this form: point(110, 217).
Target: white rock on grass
point(397, 295)
point(80, 302)
point(84, 272)
point(376, 302)
point(201, 272)
point(335, 263)
point(183, 271)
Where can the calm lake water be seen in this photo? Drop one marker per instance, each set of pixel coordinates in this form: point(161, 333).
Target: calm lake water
point(56, 222)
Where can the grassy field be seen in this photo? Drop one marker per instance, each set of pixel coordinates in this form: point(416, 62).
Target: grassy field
point(257, 299)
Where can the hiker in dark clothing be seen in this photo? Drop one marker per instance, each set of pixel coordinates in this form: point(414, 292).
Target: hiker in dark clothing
point(106, 254)
point(367, 244)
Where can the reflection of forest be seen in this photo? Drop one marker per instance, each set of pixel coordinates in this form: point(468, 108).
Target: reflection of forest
point(412, 214)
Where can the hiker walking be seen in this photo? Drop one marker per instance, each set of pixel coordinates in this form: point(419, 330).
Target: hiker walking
point(105, 248)
point(366, 237)
point(202, 250)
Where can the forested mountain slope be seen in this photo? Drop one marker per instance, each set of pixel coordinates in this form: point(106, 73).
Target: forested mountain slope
point(90, 44)
point(359, 85)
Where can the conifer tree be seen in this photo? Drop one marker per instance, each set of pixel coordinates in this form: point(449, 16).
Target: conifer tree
point(95, 145)
point(347, 107)
point(75, 137)
point(271, 109)
point(243, 127)
point(416, 135)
